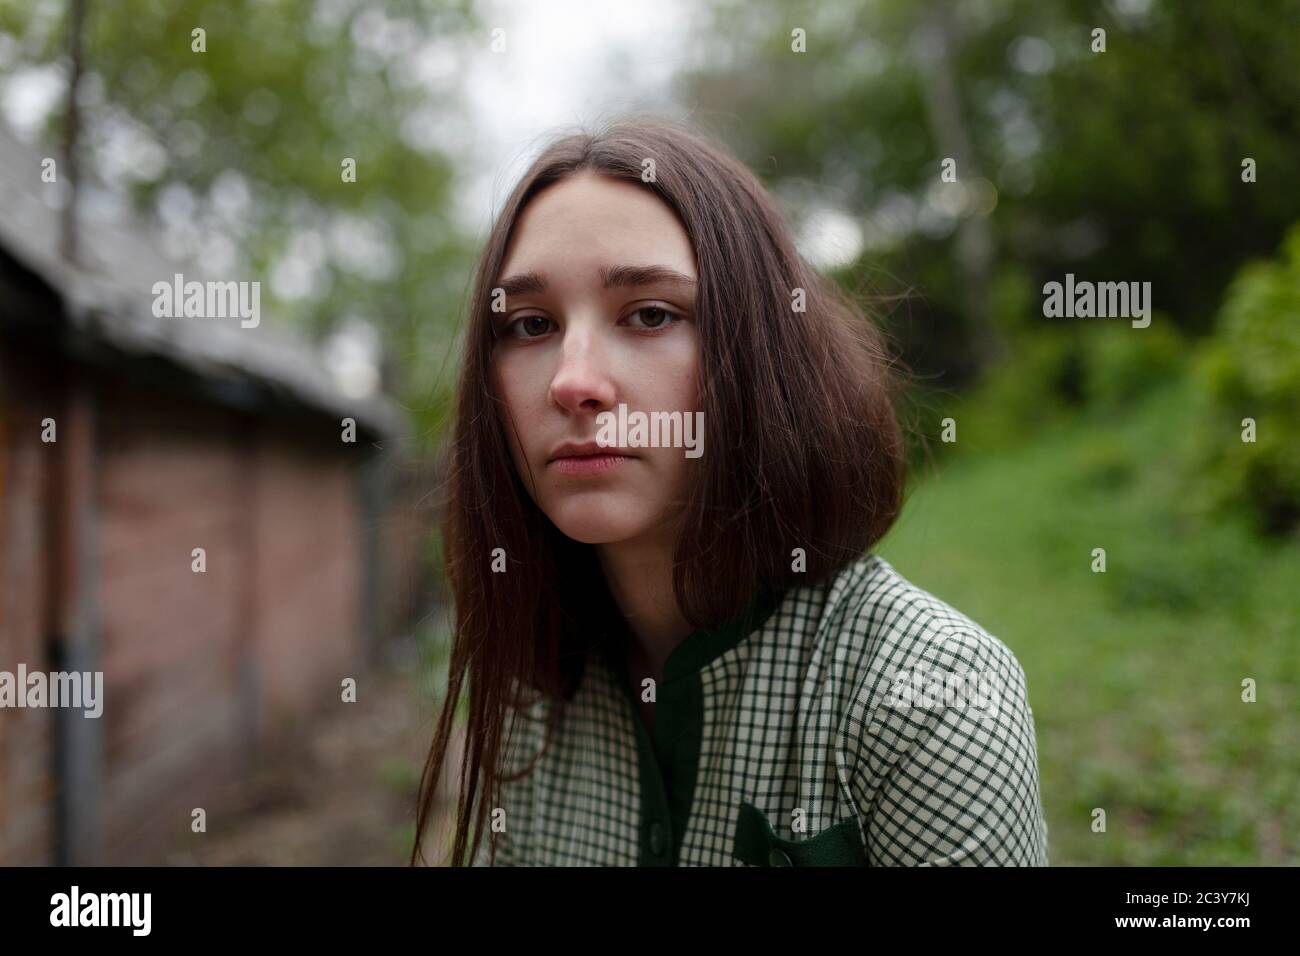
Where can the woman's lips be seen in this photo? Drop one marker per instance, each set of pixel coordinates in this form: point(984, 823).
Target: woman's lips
point(583, 466)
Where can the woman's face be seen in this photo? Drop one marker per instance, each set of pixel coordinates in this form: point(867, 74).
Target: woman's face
point(589, 326)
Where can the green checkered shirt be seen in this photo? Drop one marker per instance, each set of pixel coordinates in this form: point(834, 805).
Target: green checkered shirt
point(860, 722)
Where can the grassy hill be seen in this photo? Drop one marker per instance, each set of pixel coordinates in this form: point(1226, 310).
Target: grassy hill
point(1135, 675)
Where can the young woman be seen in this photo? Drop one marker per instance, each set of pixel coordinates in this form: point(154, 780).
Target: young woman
point(678, 647)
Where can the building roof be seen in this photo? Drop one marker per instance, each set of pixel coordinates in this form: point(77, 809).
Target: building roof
point(107, 301)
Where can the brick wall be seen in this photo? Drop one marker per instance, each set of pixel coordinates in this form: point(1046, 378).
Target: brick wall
point(202, 670)
point(27, 786)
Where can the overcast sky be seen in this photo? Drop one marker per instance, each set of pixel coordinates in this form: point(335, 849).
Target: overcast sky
point(566, 62)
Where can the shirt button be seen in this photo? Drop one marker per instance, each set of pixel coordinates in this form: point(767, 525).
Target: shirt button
point(779, 857)
point(657, 838)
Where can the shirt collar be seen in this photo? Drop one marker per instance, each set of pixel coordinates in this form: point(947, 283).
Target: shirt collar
point(702, 647)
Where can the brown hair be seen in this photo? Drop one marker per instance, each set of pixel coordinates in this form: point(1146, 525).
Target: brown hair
point(805, 451)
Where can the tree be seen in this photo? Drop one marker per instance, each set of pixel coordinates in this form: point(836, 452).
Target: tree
point(294, 141)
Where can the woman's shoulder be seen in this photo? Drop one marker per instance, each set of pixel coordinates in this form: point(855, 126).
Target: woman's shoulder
point(877, 628)
point(932, 705)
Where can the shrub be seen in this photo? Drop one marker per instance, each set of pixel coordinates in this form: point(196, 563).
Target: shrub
point(1250, 369)
point(1121, 362)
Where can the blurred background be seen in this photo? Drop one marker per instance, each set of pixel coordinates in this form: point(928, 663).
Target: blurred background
point(288, 689)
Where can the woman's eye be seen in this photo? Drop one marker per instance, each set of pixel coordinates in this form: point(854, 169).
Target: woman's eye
point(529, 327)
point(653, 317)
point(649, 318)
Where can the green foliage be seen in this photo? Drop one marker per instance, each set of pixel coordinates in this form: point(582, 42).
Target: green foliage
point(1029, 392)
point(283, 93)
point(1210, 570)
point(1121, 362)
point(1053, 370)
point(1133, 675)
point(1122, 165)
point(1103, 462)
point(1250, 369)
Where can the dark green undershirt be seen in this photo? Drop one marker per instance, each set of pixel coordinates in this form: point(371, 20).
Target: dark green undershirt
point(669, 757)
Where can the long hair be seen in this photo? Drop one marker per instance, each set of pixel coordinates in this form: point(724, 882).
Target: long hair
point(805, 452)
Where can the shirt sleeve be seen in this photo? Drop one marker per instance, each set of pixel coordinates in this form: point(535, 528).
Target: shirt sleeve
point(943, 759)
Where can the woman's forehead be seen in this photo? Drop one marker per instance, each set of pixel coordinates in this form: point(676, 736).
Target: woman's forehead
point(586, 221)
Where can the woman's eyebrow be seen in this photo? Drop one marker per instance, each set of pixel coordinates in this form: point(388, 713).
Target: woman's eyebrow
point(611, 277)
point(631, 276)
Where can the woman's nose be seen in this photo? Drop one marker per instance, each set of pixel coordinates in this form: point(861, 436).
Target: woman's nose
point(582, 378)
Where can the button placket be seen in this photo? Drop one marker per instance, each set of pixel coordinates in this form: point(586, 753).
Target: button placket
point(658, 837)
point(668, 757)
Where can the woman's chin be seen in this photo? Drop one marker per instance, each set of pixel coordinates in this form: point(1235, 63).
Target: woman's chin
point(600, 522)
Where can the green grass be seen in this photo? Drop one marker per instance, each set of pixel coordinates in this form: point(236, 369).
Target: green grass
point(1134, 675)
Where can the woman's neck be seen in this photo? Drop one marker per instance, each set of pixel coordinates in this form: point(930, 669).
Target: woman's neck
point(640, 579)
